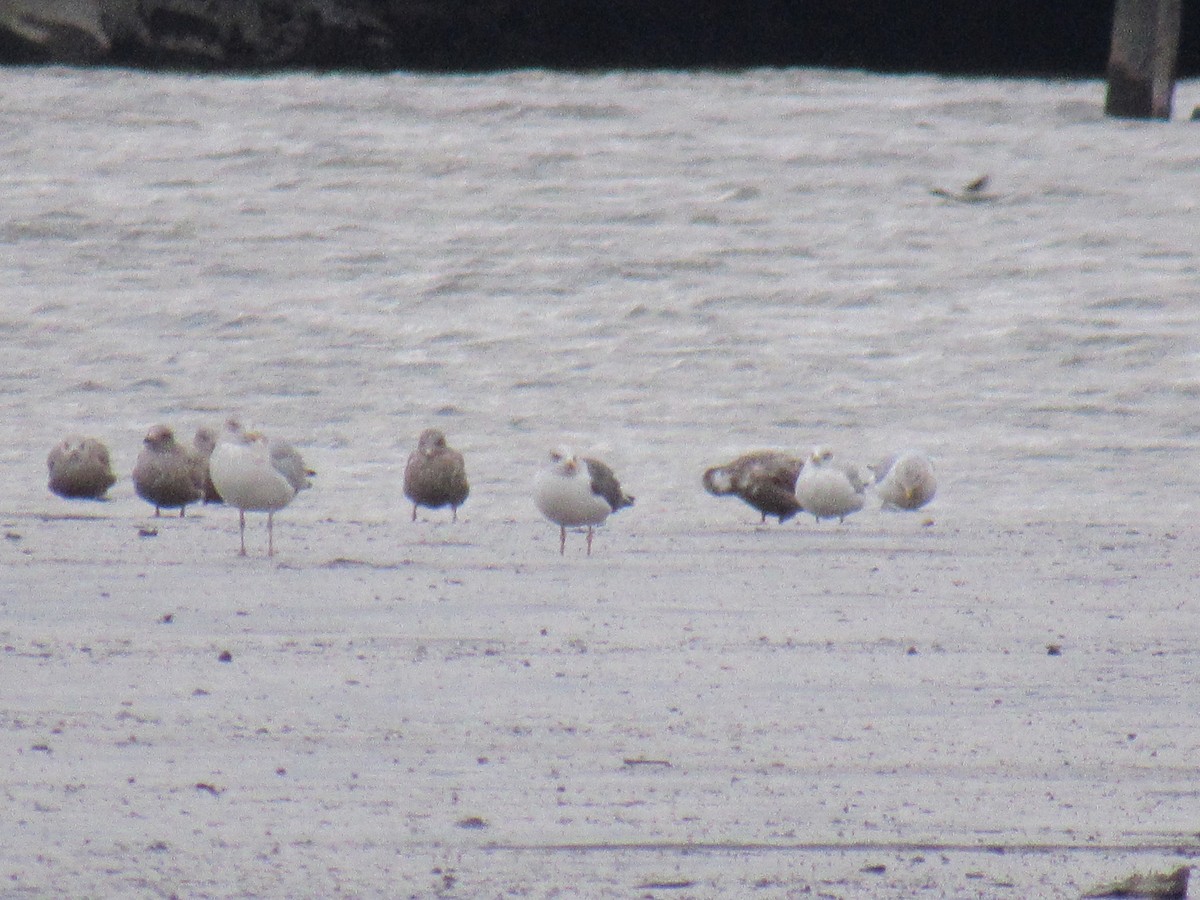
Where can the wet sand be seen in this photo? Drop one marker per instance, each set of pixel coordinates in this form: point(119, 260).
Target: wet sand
point(905, 705)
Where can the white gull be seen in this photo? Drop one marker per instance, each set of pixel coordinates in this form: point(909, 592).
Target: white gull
point(256, 475)
point(577, 492)
point(905, 481)
point(829, 490)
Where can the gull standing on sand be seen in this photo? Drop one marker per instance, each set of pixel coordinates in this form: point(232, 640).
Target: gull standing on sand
point(577, 492)
point(166, 474)
point(828, 490)
point(765, 479)
point(436, 475)
point(80, 468)
point(905, 481)
point(256, 475)
point(203, 444)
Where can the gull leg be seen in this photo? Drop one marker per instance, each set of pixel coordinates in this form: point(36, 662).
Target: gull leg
point(270, 534)
point(589, 553)
point(414, 518)
point(562, 540)
point(242, 529)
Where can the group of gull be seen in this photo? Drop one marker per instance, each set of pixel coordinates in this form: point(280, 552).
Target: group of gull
point(243, 469)
point(252, 473)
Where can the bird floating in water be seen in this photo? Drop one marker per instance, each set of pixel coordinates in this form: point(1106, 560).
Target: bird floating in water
point(256, 475)
point(765, 479)
point(435, 475)
point(80, 468)
point(972, 192)
point(167, 475)
point(578, 492)
point(827, 489)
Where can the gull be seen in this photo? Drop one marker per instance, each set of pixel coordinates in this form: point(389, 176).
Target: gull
point(80, 468)
point(435, 475)
point(973, 192)
point(765, 479)
point(256, 475)
point(577, 492)
point(166, 474)
point(828, 490)
point(203, 444)
point(905, 481)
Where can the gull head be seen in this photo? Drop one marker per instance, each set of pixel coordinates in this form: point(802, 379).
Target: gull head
point(159, 436)
point(820, 455)
point(563, 461)
point(431, 441)
point(205, 440)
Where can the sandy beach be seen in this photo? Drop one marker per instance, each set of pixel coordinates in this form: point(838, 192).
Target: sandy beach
point(903, 705)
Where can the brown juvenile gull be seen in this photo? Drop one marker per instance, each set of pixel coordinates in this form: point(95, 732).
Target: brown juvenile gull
point(256, 475)
point(905, 481)
point(435, 475)
point(577, 492)
point(765, 479)
point(166, 474)
point(829, 490)
point(203, 444)
point(80, 468)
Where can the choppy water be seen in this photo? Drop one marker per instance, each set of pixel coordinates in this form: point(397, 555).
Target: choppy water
point(663, 268)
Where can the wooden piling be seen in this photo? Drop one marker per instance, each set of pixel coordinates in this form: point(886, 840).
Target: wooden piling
point(1142, 59)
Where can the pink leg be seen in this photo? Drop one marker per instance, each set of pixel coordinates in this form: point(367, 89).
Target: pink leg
point(562, 541)
point(589, 553)
point(242, 529)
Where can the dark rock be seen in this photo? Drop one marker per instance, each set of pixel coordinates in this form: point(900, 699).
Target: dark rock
point(1022, 37)
point(61, 31)
point(246, 34)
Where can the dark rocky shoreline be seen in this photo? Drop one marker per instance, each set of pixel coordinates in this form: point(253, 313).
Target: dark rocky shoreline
point(963, 37)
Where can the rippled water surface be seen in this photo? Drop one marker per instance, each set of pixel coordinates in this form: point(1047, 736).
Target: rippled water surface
point(663, 268)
